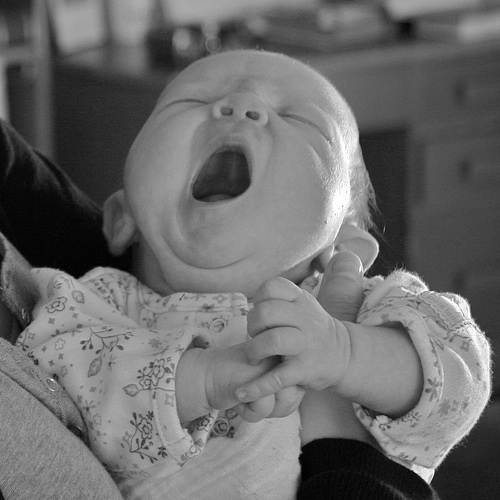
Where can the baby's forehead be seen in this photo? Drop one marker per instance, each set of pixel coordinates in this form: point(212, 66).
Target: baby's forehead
point(250, 68)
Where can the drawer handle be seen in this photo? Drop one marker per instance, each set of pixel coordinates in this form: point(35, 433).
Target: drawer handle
point(477, 92)
point(479, 171)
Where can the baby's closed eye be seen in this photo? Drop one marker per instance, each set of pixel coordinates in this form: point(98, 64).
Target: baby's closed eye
point(307, 121)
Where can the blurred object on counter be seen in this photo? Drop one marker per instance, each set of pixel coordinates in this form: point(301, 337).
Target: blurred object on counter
point(187, 12)
point(467, 26)
point(179, 46)
point(328, 28)
point(77, 24)
point(183, 31)
point(15, 22)
point(129, 20)
point(403, 10)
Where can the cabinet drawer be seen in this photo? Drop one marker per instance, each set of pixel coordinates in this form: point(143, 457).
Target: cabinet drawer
point(458, 89)
point(445, 245)
point(459, 169)
point(460, 253)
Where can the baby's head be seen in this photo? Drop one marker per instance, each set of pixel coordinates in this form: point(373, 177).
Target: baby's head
point(248, 168)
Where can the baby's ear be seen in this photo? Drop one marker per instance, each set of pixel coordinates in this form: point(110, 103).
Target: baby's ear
point(119, 227)
point(358, 241)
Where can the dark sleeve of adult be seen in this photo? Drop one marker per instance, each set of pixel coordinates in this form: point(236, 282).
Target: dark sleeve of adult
point(50, 221)
point(343, 468)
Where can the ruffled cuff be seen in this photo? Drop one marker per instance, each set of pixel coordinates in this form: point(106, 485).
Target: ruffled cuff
point(451, 348)
point(181, 443)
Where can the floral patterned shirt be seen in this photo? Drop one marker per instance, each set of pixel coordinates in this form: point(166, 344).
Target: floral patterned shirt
point(114, 345)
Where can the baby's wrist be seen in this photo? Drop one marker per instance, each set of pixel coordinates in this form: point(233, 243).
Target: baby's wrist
point(384, 372)
point(190, 382)
point(341, 377)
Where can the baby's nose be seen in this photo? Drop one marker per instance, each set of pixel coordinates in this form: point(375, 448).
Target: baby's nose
point(241, 106)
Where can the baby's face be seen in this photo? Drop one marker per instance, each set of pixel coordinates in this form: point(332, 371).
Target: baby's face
point(239, 175)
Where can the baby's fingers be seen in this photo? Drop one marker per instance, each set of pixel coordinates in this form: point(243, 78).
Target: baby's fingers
point(285, 341)
point(284, 375)
point(274, 306)
point(256, 410)
point(287, 401)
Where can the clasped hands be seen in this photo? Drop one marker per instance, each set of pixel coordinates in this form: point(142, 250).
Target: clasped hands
point(298, 343)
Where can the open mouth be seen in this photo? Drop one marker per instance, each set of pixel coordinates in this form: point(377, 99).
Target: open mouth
point(224, 175)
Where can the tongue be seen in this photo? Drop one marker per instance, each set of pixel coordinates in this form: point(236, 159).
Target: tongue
point(225, 175)
point(216, 197)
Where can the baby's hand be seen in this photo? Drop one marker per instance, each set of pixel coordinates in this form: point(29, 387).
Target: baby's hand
point(207, 378)
point(289, 322)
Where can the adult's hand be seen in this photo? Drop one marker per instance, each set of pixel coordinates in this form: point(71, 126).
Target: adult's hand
point(341, 291)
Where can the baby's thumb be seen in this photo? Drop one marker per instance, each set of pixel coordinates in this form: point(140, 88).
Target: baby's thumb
point(341, 291)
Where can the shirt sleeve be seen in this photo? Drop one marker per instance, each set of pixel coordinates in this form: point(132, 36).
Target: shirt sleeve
point(121, 376)
point(455, 357)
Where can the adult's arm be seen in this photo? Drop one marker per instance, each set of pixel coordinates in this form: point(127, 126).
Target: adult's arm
point(334, 468)
point(49, 220)
point(40, 457)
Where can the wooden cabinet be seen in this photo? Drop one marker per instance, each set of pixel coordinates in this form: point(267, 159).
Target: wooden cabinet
point(454, 181)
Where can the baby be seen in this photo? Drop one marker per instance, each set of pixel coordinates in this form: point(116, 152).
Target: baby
point(242, 184)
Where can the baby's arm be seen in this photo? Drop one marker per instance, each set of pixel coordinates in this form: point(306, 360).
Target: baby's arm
point(434, 364)
point(375, 366)
point(126, 379)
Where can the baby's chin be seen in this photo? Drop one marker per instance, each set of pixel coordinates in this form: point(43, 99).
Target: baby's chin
point(230, 281)
point(174, 274)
